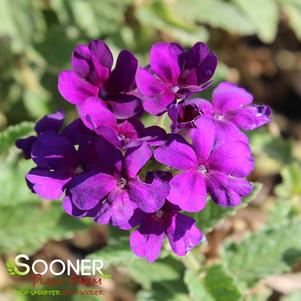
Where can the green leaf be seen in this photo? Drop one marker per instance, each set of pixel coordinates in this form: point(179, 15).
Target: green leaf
point(196, 287)
point(12, 176)
point(216, 13)
point(9, 136)
point(22, 21)
point(26, 227)
point(221, 285)
point(158, 272)
point(264, 14)
point(291, 179)
point(264, 253)
point(217, 285)
point(115, 253)
point(214, 214)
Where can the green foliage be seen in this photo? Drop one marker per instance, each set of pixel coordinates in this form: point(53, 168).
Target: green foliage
point(264, 253)
point(295, 296)
point(217, 285)
point(291, 179)
point(264, 15)
point(12, 133)
point(116, 253)
point(26, 227)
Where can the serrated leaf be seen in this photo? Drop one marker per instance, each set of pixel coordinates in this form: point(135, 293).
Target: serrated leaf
point(26, 227)
point(9, 136)
point(10, 267)
point(264, 253)
point(264, 15)
point(214, 214)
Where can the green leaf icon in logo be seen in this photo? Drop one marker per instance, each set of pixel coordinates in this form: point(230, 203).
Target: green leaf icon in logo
point(11, 268)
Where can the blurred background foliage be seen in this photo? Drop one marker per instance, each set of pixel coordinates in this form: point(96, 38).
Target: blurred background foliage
point(251, 254)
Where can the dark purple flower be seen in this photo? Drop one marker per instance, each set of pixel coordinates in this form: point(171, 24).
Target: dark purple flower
point(181, 231)
point(50, 122)
point(129, 133)
point(209, 164)
point(91, 76)
point(174, 74)
point(115, 194)
point(231, 108)
point(55, 155)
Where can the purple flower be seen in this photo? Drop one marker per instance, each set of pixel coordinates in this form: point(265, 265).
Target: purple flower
point(54, 153)
point(231, 108)
point(181, 231)
point(50, 122)
point(209, 164)
point(129, 133)
point(114, 195)
point(174, 74)
point(91, 76)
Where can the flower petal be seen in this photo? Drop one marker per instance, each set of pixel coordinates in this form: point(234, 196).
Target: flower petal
point(50, 150)
point(203, 138)
point(75, 89)
point(117, 208)
point(188, 191)
point(226, 191)
point(25, 144)
point(136, 157)
point(233, 158)
point(124, 106)
point(147, 241)
point(122, 78)
point(176, 153)
point(148, 197)
point(50, 122)
point(183, 234)
point(47, 184)
point(88, 189)
point(94, 114)
point(227, 97)
point(251, 117)
point(165, 60)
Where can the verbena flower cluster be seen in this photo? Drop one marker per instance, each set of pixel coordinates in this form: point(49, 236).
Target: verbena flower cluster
point(112, 168)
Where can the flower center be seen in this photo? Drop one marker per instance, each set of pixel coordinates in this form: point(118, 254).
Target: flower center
point(202, 169)
point(78, 170)
point(160, 213)
point(121, 183)
point(103, 93)
point(219, 116)
point(175, 89)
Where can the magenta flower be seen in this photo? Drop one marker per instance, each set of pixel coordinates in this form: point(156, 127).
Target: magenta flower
point(129, 133)
point(174, 74)
point(181, 231)
point(231, 109)
point(116, 194)
point(91, 76)
point(209, 164)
